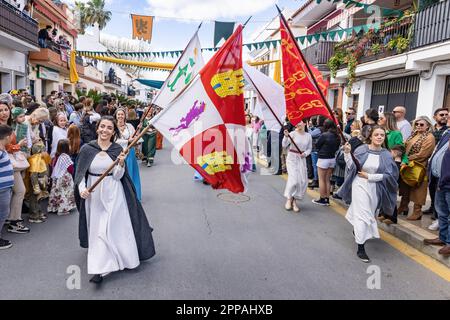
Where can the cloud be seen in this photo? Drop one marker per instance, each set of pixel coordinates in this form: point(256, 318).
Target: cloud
point(207, 10)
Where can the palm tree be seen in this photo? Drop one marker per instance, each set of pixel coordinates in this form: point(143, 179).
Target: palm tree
point(80, 13)
point(95, 13)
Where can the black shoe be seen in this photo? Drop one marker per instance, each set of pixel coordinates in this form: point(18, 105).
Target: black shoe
point(313, 184)
point(17, 227)
point(96, 279)
point(363, 256)
point(5, 244)
point(335, 196)
point(322, 201)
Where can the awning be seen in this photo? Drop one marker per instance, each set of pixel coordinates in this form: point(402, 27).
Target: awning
point(157, 84)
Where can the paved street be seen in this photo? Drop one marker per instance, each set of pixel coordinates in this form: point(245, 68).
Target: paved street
point(209, 248)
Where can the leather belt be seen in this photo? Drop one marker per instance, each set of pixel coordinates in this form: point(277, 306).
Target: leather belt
point(98, 174)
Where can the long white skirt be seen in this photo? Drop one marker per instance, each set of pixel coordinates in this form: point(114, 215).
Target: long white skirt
point(362, 211)
point(112, 245)
point(297, 176)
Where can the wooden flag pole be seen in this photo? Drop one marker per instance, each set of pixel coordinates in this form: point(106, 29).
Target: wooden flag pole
point(271, 110)
point(111, 167)
point(358, 165)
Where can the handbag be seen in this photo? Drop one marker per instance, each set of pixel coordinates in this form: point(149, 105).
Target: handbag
point(19, 161)
point(413, 174)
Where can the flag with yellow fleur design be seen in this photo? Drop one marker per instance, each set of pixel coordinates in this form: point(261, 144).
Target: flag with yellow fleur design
point(206, 123)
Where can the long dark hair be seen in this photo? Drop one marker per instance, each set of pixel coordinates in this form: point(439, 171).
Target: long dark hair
point(116, 129)
point(63, 147)
point(329, 126)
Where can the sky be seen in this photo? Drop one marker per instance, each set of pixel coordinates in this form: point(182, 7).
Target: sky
point(176, 20)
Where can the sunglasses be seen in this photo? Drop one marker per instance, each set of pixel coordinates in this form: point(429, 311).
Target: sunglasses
point(349, 113)
point(443, 115)
point(420, 124)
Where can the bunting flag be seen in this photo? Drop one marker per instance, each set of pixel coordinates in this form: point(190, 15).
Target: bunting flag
point(272, 92)
point(142, 27)
point(302, 98)
point(184, 71)
point(222, 30)
point(206, 123)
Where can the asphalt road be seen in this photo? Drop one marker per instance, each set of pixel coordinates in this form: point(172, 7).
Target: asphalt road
point(209, 247)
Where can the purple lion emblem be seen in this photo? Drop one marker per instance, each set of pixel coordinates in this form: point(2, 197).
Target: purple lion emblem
point(192, 115)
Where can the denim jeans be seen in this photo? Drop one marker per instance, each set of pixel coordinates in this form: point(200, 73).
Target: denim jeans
point(5, 202)
point(314, 158)
point(442, 205)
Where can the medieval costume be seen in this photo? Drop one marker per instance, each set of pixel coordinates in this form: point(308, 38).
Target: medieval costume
point(37, 180)
point(296, 165)
point(62, 199)
point(131, 160)
point(112, 221)
point(367, 196)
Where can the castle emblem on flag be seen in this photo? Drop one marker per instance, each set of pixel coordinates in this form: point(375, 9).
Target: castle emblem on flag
point(215, 162)
point(229, 83)
point(192, 115)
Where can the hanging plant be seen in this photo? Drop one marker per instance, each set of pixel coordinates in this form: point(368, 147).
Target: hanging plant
point(352, 62)
point(336, 61)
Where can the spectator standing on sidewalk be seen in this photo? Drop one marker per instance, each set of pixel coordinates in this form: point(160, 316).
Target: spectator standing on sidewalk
point(6, 181)
point(434, 172)
point(327, 145)
point(441, 118)
point(442, 205)
point(403, 125)
point(419, 147)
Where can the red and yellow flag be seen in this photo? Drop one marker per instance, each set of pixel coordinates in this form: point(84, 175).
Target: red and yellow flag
point(302, 98)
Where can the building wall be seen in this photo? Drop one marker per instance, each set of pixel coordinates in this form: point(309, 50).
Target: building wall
point(13, 69)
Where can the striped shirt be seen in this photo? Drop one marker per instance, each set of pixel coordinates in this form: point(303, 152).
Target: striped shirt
point(6, 171)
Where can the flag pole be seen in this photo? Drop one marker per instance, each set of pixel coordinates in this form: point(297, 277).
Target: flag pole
point(358, 165)
point(273, 113)
point(149, 108)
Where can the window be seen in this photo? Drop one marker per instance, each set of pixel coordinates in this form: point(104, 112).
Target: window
point(355, 99)
point(447, 93)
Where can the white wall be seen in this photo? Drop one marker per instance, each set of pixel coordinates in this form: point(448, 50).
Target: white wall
point(431, 91)
point(12, 60)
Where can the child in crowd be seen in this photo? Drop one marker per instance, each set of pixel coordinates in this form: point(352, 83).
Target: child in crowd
point(6, 181)
point(21, 128)
point(62, 197)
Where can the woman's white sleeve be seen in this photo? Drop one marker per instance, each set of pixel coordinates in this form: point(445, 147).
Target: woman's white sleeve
point(348, 159)
point(375, 177)
point(118, 172)
point(82, 185)
point(308, 150)
point(286, 142)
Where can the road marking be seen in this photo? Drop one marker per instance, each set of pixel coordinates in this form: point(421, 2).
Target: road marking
point(426, 261)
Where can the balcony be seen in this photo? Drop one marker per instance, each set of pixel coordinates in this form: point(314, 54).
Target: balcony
point(52, 59)
point(17, 30)
point(319, 53)
point(114, 81)
point(432, 25)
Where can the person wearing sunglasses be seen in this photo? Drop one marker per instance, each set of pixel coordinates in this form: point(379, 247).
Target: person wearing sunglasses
point(403, 125)
point(350, 115)
point(434, 164)
point(419, 147)
point(440, 116)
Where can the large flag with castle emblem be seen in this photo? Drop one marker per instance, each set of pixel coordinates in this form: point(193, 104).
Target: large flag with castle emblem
point(185, 70)
point(206, 123)
point(302, 98)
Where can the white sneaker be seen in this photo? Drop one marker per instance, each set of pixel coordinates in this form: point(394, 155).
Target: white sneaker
point(288, 205)
point(434, 226)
